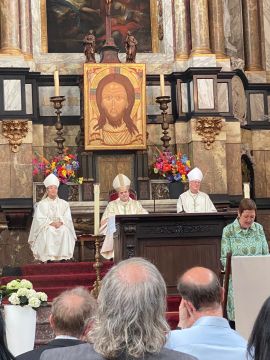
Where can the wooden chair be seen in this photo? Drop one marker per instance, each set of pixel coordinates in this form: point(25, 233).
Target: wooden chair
point(226, 273)
point(85, 240)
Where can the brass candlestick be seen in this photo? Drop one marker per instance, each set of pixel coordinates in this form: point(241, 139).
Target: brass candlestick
point(57, 104)
point(163, 102)
point(97, 266)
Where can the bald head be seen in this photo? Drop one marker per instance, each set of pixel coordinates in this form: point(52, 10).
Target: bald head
point(198, 276)
point(201, 287)
point(71, 312)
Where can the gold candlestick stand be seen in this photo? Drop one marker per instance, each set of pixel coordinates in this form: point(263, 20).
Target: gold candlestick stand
point(97, 265)
point(57, 104)
point(163, 102)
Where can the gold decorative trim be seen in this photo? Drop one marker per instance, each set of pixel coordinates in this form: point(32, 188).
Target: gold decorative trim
point(154, 26)
point(10, 51)
point(44, 32)
point(15, 131)
point(208, 128)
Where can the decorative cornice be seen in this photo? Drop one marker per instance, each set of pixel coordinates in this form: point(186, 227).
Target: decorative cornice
point(208, 128)
point(15, 131)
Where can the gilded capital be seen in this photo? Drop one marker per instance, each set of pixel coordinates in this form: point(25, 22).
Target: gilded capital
point(15, 131)
point(208, 128)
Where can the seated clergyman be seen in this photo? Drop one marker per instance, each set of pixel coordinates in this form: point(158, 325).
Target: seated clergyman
point(194, 200)
point(52, 236)
point(123, 205)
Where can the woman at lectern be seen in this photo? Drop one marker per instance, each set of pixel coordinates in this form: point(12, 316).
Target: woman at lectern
point(244, 237)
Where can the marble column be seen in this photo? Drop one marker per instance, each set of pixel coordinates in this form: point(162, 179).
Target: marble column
point(10, 33)
point(253, 57)
point(25, 28)
point(216, 26)
point(199, 27)
point(182, 29)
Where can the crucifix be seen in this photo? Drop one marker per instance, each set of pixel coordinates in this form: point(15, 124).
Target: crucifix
point(109, 51)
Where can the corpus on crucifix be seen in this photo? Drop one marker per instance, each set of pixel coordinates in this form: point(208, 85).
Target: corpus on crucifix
point(109, 39)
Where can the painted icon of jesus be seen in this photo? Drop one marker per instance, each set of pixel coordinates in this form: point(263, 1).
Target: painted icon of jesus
point(117, 121)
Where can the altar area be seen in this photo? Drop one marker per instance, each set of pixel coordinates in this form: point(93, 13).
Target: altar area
point(190, 91)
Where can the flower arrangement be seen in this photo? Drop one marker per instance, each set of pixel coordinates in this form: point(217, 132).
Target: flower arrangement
point(64, 166)
point(21, 292)
point(173, 167)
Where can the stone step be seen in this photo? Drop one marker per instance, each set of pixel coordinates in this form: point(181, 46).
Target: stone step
point(44, 332)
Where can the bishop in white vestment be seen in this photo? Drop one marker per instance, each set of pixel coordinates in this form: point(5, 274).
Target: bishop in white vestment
point(193, 200)
point(124, 205)
point(52, 235)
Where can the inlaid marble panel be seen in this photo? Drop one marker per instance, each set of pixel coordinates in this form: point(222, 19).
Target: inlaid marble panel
point(213, 165)
point(152, 92)
point(260, 140)
point(233, 28)
point(184, 97)
point(28, 99)
point(191, 89)
point(71, 106)
point(12, 95)
point(205, 94)
point(257, 107)
point(208, 60)
point(223, 100)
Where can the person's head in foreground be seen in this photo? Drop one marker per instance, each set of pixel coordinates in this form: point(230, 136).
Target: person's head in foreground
point(201, 293)
point(259, 340)
point(51, 184)
point(72, 312)
point(195, 177)
point(121, 184)
point(246, 213)
point(131, 311)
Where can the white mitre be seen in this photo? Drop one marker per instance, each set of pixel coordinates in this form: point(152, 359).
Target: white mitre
point(121, 181)
point(51, 180)
point(195, 174)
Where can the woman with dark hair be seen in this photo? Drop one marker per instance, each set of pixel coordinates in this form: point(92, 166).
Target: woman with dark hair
point(259, 341)
point(244, 237)
point(4, 352)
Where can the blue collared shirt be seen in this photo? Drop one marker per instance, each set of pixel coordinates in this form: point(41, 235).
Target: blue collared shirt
point(209, 338)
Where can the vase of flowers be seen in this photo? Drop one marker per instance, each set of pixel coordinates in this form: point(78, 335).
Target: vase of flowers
point(64, 166)
point(174, 168)
point(20, 314)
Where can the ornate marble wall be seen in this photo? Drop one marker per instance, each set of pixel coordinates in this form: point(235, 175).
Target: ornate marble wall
point(201, 34)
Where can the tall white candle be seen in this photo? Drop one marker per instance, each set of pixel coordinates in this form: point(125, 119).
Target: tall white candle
point(162, 84)
point(246, 190)
point(56, 83)
point(96, 209)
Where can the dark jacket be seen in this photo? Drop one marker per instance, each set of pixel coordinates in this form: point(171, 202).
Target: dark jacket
point(56, 343)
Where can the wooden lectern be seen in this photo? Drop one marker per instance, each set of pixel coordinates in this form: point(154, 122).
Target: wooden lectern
point(173, 242)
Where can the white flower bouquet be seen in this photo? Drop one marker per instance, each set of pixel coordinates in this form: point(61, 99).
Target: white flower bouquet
point(21, 292)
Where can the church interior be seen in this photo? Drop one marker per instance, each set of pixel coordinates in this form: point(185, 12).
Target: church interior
point(204, 92)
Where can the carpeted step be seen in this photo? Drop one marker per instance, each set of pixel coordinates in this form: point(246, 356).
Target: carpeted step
point(173, 302)
point(43, 281)
point(63, 268)
point(54, 291)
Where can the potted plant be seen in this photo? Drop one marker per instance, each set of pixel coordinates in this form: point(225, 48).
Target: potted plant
point(64, 166)
point(20, 302)
point(174, 168)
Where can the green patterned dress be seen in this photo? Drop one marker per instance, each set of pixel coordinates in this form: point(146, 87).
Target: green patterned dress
point(241, 242)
